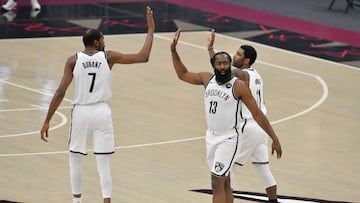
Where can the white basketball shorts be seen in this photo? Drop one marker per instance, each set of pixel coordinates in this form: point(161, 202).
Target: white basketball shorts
point(254, 144)
point(92, 121)
point(221, 150)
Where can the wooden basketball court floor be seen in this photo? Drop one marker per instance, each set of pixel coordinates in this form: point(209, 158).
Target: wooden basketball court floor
point(159, 122)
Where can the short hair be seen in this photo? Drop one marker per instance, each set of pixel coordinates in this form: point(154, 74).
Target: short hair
point(90, 36)
point(212, 60)
point(249, 52)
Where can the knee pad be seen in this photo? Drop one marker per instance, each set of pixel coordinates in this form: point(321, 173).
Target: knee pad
point(263, 171)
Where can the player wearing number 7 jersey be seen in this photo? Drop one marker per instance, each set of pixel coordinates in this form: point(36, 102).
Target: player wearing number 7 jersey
point(91, 114)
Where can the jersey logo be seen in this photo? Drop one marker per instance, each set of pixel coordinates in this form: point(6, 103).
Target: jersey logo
point(228, 85)
point(219, 166)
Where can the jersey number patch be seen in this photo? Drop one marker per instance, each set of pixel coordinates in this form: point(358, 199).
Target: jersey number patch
point(93, 76)
point(213, 106)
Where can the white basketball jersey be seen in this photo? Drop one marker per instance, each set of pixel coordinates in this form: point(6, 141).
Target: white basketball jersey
point(221, 106)
point(256, 87)
point(93, 79)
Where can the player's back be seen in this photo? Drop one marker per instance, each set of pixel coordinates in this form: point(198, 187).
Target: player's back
point(92, 78)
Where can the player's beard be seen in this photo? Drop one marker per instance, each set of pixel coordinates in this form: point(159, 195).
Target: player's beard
point(222, 78)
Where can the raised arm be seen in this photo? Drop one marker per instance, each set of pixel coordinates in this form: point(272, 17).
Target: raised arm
point(144, 54)
point(210, 44)
point(180, 69)
point(243, 92)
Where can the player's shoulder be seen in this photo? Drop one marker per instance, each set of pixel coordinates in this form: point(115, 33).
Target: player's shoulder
point(242, 74)
point(72, 58)
point(239, 82)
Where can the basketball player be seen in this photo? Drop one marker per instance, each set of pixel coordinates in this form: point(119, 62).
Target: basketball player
point(224, 95)
point(244, 57)
point(91, 114)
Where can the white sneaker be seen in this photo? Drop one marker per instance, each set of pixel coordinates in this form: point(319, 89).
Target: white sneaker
point(10, 5)
point(34, 13)
point(35, 5)
point(9, 16)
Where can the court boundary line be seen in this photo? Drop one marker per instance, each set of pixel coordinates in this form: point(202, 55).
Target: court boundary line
point(312, 107)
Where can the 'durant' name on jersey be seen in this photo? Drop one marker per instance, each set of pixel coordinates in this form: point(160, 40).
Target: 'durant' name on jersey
point(219, 93)
point(91, 64)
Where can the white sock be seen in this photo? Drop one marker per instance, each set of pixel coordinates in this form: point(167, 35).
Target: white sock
point(77, 200)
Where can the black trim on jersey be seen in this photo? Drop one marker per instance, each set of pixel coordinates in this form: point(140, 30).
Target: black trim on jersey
point(241, 110)
point(78, 152)
point(237, 113)
point(237, 163)
point(255, 163)
point(213, 75)
point(216, 175)
point(106, 55)
point(243, 127)
point(233, 90)
point(104, 153)
point(71, 115)
point(239, 102)
point(260, 163)
point(96, 153)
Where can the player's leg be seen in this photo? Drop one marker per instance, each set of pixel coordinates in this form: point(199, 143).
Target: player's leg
point(226, 149)
point(248, 141)
point(261, 163)
point(75, 164)
point(104, 145)
point(218, 188)
point(228, 190)
point(103, 166)
point(264, 172)
point(77, 148)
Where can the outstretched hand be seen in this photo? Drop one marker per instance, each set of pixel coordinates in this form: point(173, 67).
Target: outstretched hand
point(175, 40)
point(150, 19)
point(211, 39)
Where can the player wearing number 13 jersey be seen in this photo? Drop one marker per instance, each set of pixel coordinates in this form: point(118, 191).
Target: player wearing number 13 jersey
point(222, 93)
point(222, 116)
point(254, 139)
